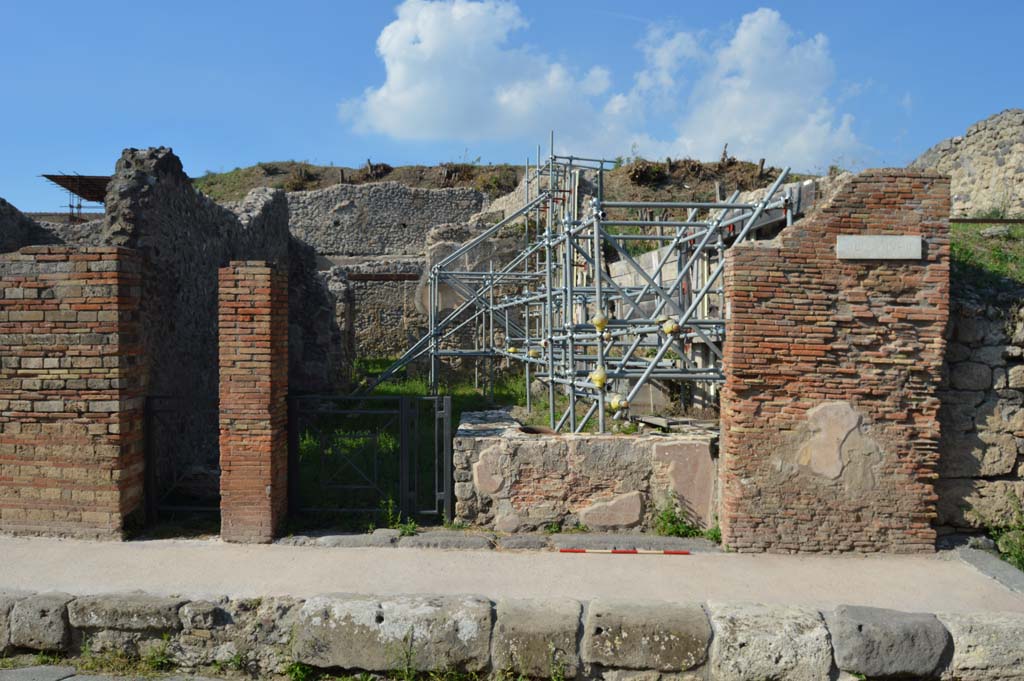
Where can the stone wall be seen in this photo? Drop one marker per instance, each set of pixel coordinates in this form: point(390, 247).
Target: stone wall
point(384, 218)
point(516, 479)
point(71, 385)
point(253, 355)
point(981, 462)
point(377, 233)
point(384, 318)
point(986, 166)
point(830, 405)
point(17, 229)
point(560, 638)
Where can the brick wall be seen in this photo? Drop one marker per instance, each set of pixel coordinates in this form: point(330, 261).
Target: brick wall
point(71, 385)
point(253, 323)
point(829, 409)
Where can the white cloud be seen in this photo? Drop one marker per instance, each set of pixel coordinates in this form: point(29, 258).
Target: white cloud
point(452, 74)
point(765, 93)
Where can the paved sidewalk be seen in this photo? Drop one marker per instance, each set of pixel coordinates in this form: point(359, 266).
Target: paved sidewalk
point(202, 568)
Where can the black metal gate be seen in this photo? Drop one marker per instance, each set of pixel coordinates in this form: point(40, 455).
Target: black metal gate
point(350, 454)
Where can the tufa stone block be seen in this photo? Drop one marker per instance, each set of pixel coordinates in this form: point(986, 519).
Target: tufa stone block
point(652, 636)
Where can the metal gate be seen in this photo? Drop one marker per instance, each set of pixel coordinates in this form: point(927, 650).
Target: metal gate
point(350, 454)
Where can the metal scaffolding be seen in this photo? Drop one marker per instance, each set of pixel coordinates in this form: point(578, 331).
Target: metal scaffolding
point(593, 332)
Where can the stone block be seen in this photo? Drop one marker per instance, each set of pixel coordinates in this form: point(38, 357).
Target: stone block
point(1015, 377)
point(756, 642)
point(691, 472)
point(965, 455)
point(970, 376)
point(41, 673)
point(631, 540)
point(360, 632)
point(986, 646)
point(964, 502)
point(885, 644)
point(377, 539)
point(992, 355)
point(126, 612)
point(536, 542)
point(40, 622)
point(7, 601)
point(537, 638)
point(202, 615)
point(621, 511)
point(649, 636)
point(445, 539)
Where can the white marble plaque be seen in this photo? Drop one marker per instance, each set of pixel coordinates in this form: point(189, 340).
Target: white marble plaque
point(878, 247)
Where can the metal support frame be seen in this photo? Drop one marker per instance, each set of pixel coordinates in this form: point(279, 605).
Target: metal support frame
point(589, 336)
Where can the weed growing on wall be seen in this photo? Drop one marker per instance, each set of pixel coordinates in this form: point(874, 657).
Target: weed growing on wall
point(1010, 537)
point(1008, 534)
point(671, 521)
point(297, 671)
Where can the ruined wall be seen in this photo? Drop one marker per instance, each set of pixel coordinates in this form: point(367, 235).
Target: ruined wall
point(830, 405)
point(71, 391)
point(378, 233)
point(183, 238)
point(981, 464)
point(17, 229)
point(376, 219)
point(986, 166)
point(513, 480)
point(384, 318)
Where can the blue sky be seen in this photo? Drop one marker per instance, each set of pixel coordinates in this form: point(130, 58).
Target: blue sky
point(228, 84)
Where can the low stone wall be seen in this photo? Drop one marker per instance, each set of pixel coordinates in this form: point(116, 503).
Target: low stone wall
point(600, 639)
point(513, 480)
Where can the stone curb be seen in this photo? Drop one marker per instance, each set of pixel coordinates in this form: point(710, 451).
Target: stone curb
point(470, 540)
point(626, 542)
point(992, 566)
point(537, 638)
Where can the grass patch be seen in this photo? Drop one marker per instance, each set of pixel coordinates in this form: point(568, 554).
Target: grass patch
point(985, 261)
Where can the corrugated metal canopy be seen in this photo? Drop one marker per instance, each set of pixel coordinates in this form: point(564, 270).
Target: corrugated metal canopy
point(89, 187)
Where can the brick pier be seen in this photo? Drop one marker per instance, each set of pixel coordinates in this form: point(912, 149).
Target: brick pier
point(830, 406)
point(71, 386)
point(253, 328)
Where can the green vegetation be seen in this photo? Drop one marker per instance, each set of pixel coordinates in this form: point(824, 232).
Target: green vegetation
point(493, 180)
point(986, 261)
point(672, 521)
point(1009, 535)
point(393, 518)
point(48, 658)
point(298, 671)
point(158, 658)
